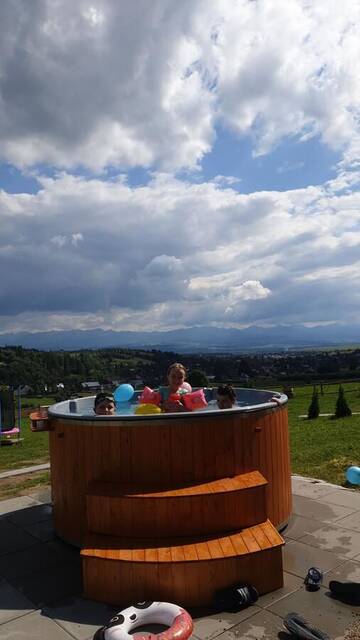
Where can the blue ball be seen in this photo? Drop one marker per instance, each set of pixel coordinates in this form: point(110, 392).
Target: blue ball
point(124, 393)
point(353, 475)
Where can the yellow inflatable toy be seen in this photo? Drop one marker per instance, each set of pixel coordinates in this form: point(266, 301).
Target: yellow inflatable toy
point(145, 409)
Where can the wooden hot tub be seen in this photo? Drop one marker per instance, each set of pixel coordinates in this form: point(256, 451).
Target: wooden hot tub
point(173, 506)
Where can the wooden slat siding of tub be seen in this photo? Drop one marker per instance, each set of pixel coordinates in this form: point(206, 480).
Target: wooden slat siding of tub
point(126, 510)
point(188, 448)
point(189, 572)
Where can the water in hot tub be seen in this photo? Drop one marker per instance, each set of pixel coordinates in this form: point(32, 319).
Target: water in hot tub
point(128, 408)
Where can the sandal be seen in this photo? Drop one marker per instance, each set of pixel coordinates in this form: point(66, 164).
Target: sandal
point(236, 597)
point(348, 592)
point(313, 579)
point(300, 628)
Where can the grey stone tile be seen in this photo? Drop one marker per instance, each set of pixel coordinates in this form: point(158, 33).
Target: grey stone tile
point(291, 583)
point(30, 515)
point(209, 625)
point(47, 586)
point(14, 504)
point(43, 531)
point(66, 551)
point(42, 495)
point(299, 526)
point(33, 626)
point(299, 557)
point(12, 603)
point(344, 497)
point(350, 522)
point(265, 625)
point(336, 539)
point(310, 488)
point(13, 538)
point(347, 572)
point(318, 509)
point(28, 561)
point(80, 617)
point(318, 609)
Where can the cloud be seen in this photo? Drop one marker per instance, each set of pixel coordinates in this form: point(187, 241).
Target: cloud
point(85, 252)
point(109, 83)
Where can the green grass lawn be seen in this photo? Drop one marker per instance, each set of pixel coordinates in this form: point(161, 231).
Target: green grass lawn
point(321, 448)
point(34, 448)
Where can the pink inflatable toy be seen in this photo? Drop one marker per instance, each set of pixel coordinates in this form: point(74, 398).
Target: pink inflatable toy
point(149, 396)
point(194, 400)
point(186, 386)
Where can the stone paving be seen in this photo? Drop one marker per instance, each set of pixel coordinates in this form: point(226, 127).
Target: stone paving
point(40, 576)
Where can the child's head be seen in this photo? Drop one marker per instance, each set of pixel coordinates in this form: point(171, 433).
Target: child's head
point(225, 396)
point(104, 404)
point(176, 375)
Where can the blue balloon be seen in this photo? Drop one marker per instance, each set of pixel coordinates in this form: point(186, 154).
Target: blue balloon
point(353, 475)
point(124, 393)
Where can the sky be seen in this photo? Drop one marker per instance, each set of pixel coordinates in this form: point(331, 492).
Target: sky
point(172, 164)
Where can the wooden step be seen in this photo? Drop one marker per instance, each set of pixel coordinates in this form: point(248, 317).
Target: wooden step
point(213, 507)
point(187, 571)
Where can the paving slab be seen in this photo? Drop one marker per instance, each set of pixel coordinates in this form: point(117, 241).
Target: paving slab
point(310, 488)
point(33, 626)
point(15, 504)
point(80, 617)
point(13, 538)
point(323, 612)
point(12, 603)
point(298, 557)
point(299, 526)
point(291, 583)
point(336, 539)
point(29, 561)
point(30, 515)
point(44, 587)
point(317, 510)
point(209, 625)
point(344, 497)
point(347, 572)
point(350, 522)
point(265, 625)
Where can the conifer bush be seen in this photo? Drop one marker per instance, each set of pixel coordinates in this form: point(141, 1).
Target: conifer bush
point(342, 409)
point(314, 407)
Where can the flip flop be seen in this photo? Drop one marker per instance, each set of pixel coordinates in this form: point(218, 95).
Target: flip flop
point(236, 597)
point(348, 592)
point(300, 628)
point(313, 579)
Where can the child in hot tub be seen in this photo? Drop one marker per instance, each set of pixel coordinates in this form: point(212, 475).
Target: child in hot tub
point(171, 395)
point(225, 396)
point(104, 404)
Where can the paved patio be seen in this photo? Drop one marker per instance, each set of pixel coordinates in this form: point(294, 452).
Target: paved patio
point(40, 576)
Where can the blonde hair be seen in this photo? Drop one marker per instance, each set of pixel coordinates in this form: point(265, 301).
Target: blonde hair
point(177, 365)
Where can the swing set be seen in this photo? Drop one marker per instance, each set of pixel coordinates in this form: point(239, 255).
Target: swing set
point(10, 424)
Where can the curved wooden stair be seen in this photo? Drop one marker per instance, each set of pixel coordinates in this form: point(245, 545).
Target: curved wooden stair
point(182, 510)
point(178, 543)
point(185, 570)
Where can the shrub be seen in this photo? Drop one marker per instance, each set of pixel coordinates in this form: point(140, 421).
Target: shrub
point(342, 409)
point(314, 407)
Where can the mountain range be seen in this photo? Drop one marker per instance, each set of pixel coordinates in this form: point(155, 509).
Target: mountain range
point(191, 340)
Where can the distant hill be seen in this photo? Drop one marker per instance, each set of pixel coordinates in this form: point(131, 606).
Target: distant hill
point(192, 340)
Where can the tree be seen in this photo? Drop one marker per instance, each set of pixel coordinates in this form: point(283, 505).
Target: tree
point(342, 409)
point(314, 407)
point(197, 378)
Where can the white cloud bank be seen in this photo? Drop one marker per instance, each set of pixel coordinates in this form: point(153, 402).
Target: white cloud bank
point(114, 84)
point(108, 83)
point(85, 253)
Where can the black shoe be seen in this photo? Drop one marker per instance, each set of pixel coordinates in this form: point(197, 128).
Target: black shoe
point(300, 628)
point(313, 579)
point(236, 597)
point(348, 592)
